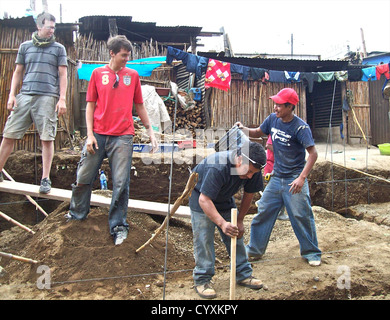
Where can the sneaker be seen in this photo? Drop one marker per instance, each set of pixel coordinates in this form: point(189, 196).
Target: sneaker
point(45, 186)
point(69, 217)
point(120, 234)
point(1, 177)
point(314, 263)
point(206, 291)
point(283, 216)
point(252, 283)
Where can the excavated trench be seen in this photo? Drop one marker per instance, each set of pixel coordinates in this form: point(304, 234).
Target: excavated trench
point(333, 189)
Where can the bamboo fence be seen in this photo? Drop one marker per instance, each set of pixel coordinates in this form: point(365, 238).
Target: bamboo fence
point(248, 102)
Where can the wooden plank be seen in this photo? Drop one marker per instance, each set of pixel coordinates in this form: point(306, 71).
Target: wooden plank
point(96, 200)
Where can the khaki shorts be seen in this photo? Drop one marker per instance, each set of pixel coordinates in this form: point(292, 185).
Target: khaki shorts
point(30, 109)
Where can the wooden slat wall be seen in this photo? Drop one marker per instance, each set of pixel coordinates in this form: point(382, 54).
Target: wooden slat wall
point(242, 103)
point(379, 112)
point(361, 105)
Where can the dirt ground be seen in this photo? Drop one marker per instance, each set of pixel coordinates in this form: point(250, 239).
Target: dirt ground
point(77, 259)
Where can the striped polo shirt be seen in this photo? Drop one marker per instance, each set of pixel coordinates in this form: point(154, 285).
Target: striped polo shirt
point(41, 68)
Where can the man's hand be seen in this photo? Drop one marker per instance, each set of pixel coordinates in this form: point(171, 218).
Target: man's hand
point(241, 229)
point(154, 143)
point(91, 143)
point(229, 229)
point(239, 125)
point(61, 107)
point(296, 185)
point(11, 104)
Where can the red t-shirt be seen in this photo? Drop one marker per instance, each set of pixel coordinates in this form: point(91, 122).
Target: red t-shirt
point(113, 112)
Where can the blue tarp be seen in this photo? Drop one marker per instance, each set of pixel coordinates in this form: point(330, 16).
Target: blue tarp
point(144, 67)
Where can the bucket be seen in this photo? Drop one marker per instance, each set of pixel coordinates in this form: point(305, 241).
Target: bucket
point(233, 139)
point(384, 148)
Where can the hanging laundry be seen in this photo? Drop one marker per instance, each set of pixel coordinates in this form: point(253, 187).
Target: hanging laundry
point(369, 74)
point(218, 75)
point(257, 73)
point(244, 70)
point(292, 76)
point(325, 76)
point(355, 75)
point(193, 63)
point(341, 75)
point(383, 69)
point(308, 79)
point(276, 76)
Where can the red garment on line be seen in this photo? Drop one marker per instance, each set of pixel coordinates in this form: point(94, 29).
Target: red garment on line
point(218, 75)
point(383, 69)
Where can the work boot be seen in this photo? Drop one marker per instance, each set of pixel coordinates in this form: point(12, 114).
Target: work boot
point(251, 282)
point(45, 186)
point(206, 291)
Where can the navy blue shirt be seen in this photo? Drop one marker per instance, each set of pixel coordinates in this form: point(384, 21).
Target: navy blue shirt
point(216, 181)
point(290, 141)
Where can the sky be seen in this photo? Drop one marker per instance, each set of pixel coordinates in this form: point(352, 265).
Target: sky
point(318, 27)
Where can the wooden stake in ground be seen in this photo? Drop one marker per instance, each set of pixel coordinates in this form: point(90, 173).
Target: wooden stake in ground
point(9, 219)
point(191, 183)
point(37, 206)
point(19, 258)
point(233, 245)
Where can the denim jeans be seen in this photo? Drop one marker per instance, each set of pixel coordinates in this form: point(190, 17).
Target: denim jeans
point(300, 213)
point(204, 252)
point(119, 151)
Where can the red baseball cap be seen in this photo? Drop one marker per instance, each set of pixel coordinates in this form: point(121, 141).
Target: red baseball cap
point(286, 95)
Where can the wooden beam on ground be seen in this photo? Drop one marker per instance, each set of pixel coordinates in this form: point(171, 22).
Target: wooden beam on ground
point(96, 200)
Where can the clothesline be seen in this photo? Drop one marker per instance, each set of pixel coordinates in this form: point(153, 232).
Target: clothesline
point(218, 73)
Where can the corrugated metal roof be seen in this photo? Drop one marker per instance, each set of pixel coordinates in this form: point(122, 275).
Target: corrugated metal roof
point(137, 31)
point(24, 22)
point(282, 64)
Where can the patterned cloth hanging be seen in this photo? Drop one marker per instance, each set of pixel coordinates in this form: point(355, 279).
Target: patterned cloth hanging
point(218, 75)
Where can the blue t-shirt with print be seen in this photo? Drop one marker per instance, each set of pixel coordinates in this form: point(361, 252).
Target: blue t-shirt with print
point(290, 141)
point(216, 179)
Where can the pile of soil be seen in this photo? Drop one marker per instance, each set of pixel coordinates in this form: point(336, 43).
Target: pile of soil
point(83, 259)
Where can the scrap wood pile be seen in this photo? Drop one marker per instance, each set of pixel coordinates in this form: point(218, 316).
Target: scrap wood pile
point(189, 115)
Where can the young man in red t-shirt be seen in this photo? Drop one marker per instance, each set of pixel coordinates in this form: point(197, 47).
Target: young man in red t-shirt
point(111, 93)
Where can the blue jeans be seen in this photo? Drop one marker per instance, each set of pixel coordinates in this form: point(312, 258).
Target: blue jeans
point(300, 213)
point(119, 151)
point(204, 253)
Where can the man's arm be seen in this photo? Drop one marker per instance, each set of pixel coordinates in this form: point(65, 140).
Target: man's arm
point(297, 184)
point(252, 132)
point(211, 211)
point(244, 208)
point(63, 80)
point(16, 79)
point(143, 114)
point(91, 140)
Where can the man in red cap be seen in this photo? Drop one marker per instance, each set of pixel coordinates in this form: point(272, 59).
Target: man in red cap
point(291, 138)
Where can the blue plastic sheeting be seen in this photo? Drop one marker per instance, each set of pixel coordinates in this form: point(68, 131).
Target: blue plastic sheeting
point(144, 67)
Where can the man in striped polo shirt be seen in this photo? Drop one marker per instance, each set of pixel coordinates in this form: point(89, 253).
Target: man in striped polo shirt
point(42, 65)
